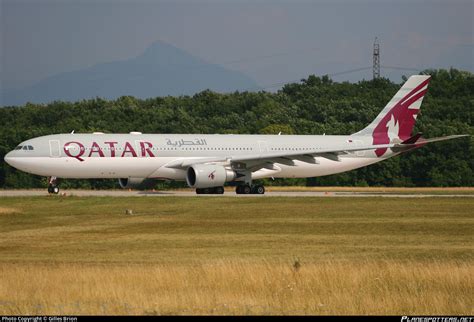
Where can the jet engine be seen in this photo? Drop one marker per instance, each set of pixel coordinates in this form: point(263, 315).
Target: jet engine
point(128, 183)
point(208, 175)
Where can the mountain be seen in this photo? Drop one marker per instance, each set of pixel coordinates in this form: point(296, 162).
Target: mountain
point(159, 71)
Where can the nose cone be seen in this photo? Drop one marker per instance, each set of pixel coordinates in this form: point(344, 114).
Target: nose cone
point(8, 158)
point(20, 161)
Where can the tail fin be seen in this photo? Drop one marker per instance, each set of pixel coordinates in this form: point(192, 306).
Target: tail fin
point(396, 121)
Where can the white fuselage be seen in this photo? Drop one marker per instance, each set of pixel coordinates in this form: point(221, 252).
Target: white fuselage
point(150, 155)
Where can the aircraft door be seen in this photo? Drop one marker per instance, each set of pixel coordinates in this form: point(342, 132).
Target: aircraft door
point(263, 147)
point(54, 149)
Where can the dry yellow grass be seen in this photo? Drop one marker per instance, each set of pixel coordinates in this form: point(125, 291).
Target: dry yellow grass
point(5, 210)
point(75, 255)
point(238, 287)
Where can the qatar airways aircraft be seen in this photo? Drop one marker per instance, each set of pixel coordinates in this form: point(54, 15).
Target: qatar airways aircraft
point(207, 162)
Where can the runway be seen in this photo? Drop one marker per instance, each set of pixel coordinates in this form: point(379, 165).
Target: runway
point(228, 193)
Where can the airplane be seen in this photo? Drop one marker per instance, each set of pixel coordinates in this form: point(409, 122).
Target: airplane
point(207, 162)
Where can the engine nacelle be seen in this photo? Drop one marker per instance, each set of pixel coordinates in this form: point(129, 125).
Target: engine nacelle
point(128, 183)
point(208, 175)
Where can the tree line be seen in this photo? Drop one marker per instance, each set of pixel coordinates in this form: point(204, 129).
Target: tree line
point(316, 105)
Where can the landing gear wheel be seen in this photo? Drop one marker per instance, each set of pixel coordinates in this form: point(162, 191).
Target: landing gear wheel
point(246, 190)
point(259, 189)
point(203, 191)
point(53, 189)
point(208, 191)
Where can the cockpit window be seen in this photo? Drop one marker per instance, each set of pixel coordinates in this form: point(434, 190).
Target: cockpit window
point(18, 147)
point(30, 147)
point(25, 147)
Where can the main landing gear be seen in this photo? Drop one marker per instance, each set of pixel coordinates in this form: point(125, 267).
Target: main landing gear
point(245, 189)
point(53, 185)
point(208, 191)
point(250, 189)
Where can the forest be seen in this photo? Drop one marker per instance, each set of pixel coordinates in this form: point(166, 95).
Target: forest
point(316, 105)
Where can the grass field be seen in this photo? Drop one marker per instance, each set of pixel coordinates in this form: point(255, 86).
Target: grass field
point(73, 255)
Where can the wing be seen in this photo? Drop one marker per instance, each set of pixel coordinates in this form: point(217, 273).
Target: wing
point(253, 161)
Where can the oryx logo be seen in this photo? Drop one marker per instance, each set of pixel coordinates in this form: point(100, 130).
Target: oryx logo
point(212, 175)
point(398, 123)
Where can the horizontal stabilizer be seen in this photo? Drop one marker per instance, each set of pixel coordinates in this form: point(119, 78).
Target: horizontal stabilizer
point(412, 139)
point(442, 138)
point(417, 141)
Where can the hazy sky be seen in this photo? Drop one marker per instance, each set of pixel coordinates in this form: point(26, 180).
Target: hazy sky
point(271, 41)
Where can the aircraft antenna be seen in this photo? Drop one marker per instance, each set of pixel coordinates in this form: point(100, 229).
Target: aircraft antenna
point(376, 60)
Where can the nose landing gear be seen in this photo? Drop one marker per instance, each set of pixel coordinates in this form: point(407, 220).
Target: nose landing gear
point(53, 185)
